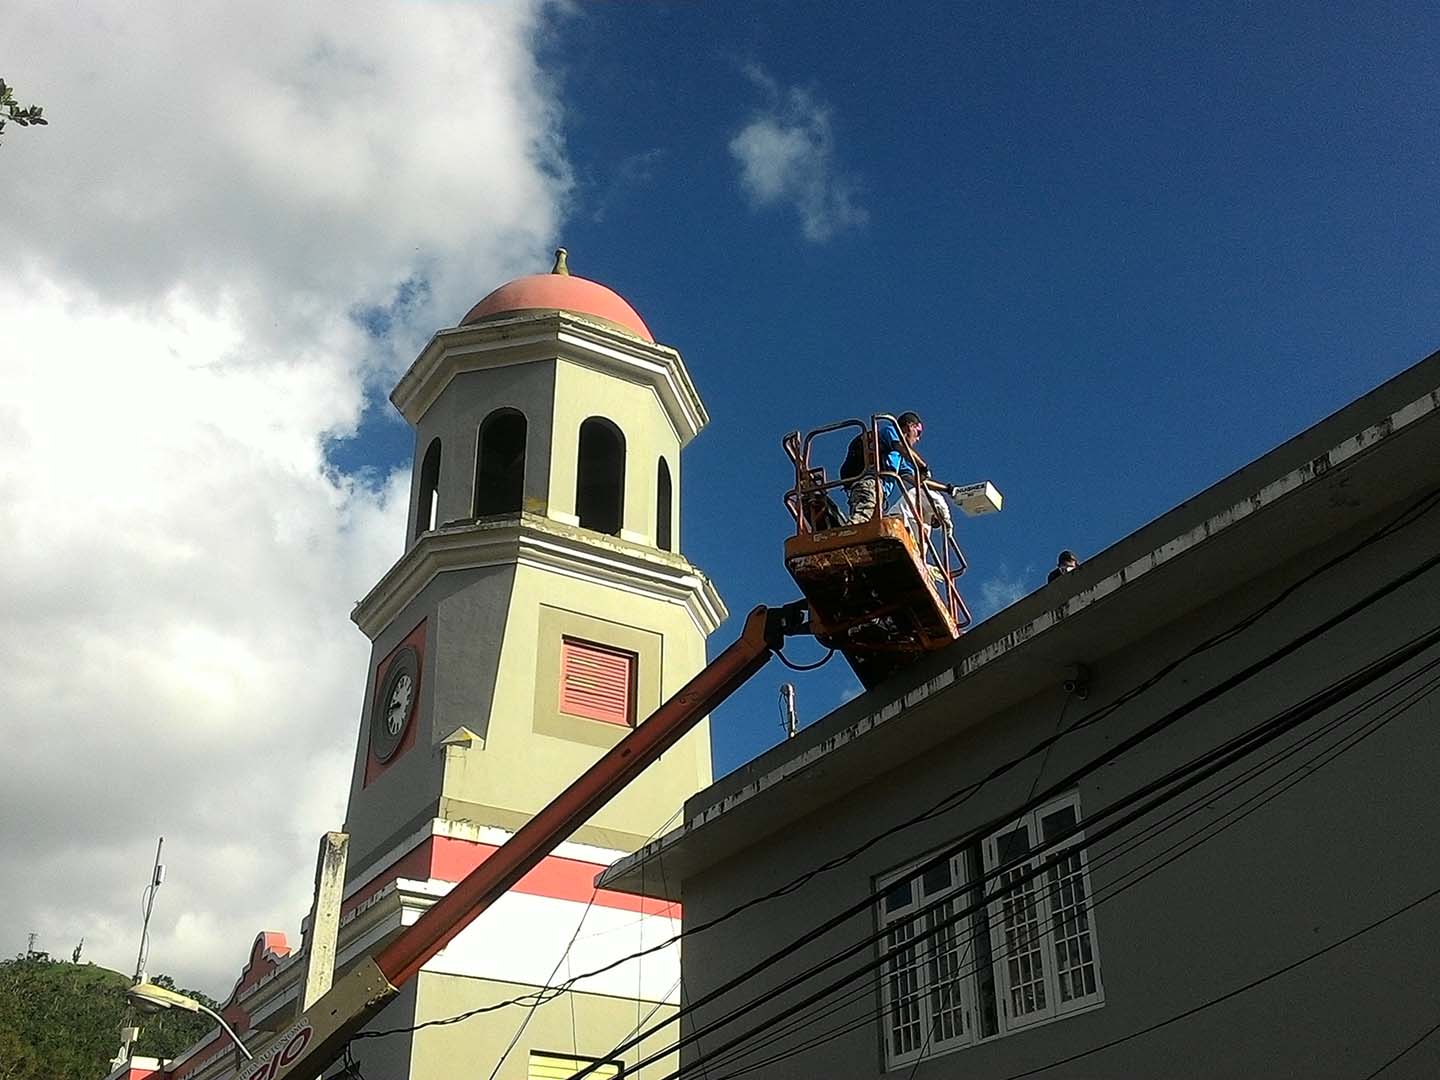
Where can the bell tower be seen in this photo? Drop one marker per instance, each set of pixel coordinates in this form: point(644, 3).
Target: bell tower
point(542, 608)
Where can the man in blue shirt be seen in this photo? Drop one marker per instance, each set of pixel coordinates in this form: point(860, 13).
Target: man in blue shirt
point(893, 459)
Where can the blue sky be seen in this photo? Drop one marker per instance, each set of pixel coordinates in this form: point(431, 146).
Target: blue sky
point(1111, 256)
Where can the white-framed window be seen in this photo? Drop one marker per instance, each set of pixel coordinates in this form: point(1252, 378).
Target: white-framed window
point(1028, 955)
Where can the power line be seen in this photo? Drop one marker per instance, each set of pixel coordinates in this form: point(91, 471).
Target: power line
point(1235, 815)
point(1251, 985)
point(1167, 1021)
point(1402, 1053)
point(684, 990)
point(1217, 759)
point(530, 1012)
point(530, 1001)
point(1120, 748)
point(1152, 865)
point(1406, 517)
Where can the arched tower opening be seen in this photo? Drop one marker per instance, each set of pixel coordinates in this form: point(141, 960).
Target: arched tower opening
point(664, 507)
point(600, 476)
point(500, 463)
point(427, 505)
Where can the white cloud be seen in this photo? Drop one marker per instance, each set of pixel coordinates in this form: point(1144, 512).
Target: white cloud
point(1002, 590)
point(786, 154)
point(219, 188)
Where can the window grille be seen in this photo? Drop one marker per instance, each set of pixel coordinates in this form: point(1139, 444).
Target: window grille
point(1028, 956)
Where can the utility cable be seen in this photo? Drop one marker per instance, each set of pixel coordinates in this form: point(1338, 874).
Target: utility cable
point(1150, 866)
point(1147, 732)
point(1045, 759)
point(535, 999)
point(530, 1012)
point(1402, 1053)
point(532, 1000)
point(1408, 516)
point(1235, 814)
point(1009, 886)
point(1202, 1006)
point(1251, 985)
point(953, 800)
point(1287, 720)
point(684, 990)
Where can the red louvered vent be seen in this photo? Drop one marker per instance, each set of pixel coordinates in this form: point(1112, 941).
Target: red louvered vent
point(597, 682)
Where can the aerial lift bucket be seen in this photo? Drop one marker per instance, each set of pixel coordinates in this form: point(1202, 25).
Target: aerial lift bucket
point(881, 591)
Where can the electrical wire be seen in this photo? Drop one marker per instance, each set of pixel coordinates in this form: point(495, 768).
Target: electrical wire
point(530, 1001)
point(1045, 760)
point(1210, 1003)
point(1150, 866)
point(1235, 814)
point(933, 931)
point(953, 800)
point(693, 1004)
point(1405, 518)
point(1117, 750)
point(868, 988)
point(530, 1012)
point(1402, 1053)
point(1408, 516)
point(684, 990)
point(1178, 780)
point(1251, 985)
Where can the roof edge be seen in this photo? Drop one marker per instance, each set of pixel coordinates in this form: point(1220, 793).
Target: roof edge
point(1122, 566)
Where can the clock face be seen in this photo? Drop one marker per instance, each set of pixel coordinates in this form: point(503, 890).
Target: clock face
point(398, 708)
point(394, 704)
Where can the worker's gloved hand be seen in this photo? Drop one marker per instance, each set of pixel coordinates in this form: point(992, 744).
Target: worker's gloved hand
point(939, 511)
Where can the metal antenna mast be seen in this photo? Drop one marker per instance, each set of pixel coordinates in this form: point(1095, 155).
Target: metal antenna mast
point(787, 709)
point(129, 1033)
point(157, 877)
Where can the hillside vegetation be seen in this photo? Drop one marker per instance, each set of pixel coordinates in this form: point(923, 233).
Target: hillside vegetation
point(62, 1021)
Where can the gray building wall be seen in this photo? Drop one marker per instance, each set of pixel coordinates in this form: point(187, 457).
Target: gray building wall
point(1351, 842)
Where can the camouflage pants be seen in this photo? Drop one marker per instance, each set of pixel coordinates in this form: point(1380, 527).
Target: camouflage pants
point(862, 497)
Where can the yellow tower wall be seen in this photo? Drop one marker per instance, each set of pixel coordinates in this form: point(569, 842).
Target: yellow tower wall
point(582, 392)
point(532, 750)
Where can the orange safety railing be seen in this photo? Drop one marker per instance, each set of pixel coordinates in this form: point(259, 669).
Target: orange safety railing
point(812, 504)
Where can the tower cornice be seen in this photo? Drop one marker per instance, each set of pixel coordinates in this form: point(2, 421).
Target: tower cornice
point(532, 540)
point(549, 335)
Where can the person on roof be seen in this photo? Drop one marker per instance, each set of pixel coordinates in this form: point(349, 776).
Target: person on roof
point(862, 492)
point(1065, 564)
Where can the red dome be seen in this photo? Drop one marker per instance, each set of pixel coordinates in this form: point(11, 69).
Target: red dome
point(559, 292)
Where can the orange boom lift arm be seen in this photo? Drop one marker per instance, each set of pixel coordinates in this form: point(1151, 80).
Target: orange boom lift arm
point(320, 1034)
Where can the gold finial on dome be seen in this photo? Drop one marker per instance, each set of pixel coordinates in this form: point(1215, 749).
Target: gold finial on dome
point(561, 266)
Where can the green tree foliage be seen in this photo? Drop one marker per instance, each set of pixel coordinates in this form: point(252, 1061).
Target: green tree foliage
point(62, 1021)
point(24, 116)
